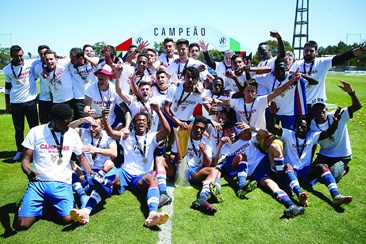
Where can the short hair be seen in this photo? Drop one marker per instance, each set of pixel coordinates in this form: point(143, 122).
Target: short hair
point(291, 54)
point(143, 55)
point(77, 51)
point(168, 39)
point(161, 72)
point(49, 51)
point(60, 111)
point(312, 44)
point(235, 56)
point(251, 82)
point(15, 48)
point(194, 44)
point(151, 50)
point(87, 45)
point(228, 125)
point(182, 41)
point(278, 60)
point(194, 71)
point(201, 119)
point(111, 50)
point(144, 83)
point(263, 43)
point(218, 78)
point(224, 111)
point(40, 47)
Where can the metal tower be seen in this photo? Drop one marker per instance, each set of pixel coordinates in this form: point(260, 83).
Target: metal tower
point(301, 26)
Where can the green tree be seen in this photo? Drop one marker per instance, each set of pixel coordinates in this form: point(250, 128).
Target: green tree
point(98, 48)
point(4, 56)
point(340, 48)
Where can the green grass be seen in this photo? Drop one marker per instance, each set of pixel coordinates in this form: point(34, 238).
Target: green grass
point(255, 220)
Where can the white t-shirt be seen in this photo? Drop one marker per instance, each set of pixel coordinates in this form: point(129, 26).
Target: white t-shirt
point(175, 69)
point(269, 62)
point(133, 163)
point(99, 102)
point(45, 153)
point(159, 95)
point(208, 93)
point(229, 84)
point(215, 136)
point(221, 69)
point(255, 111)
point(285, 101)
point(188, 101)
point(291, 149)
point(23, 88)
point(194, 156)
point(137, 107)
point(129, 70)
point(254, 156)
point(104, 143)
point(38, 68)
point(82, 77)
point(319, 72)
point(60, 83)
point(339, 144)
point(165, 60)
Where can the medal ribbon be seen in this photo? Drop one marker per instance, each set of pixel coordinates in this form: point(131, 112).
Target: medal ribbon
point(142, 151)
point(59, 145)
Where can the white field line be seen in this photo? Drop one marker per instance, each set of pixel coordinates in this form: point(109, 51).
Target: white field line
point(165, 234)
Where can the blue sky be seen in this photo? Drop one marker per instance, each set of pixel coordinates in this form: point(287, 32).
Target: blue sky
point(66, 24)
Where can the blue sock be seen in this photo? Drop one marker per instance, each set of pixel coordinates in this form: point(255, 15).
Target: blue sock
point(94, 199)
point(242, 173)
point(161, 177)
point(293, 181)
point(80, 193)
point(205, 192)
point(153, 198)
point(279, 163)
point(283, 198)
point(330, 182)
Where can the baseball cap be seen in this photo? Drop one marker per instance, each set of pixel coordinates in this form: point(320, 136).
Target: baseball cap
point(107, 70)
point(317, 100)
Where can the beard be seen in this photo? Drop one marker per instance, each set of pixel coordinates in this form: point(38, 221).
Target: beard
point(308, 58)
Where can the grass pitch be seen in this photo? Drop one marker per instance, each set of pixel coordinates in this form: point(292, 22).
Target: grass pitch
point(254, 220)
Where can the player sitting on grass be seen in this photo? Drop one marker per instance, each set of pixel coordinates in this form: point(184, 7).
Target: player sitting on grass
point(136, 171)
point(336, 152)
point(298, 147)
point(199, 156)
point(231, 151)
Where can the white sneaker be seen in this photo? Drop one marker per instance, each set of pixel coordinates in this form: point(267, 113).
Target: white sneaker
point(80, 215)
point(18, 156)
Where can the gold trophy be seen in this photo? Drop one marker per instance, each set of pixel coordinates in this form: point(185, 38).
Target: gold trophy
point(182, 137)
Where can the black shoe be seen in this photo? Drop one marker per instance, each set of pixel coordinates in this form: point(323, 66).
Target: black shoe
point(293, 211)
point(164, 199)
point(203, 206)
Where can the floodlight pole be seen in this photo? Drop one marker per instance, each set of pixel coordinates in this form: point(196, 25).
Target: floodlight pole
point(301, 26)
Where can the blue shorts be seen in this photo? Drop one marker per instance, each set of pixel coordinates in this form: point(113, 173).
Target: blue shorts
point(128, 181)
point(262, 170)
point(287, 121)
point(227, 166)
point(57, 194)
point(191, 171)
point(303, 176)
